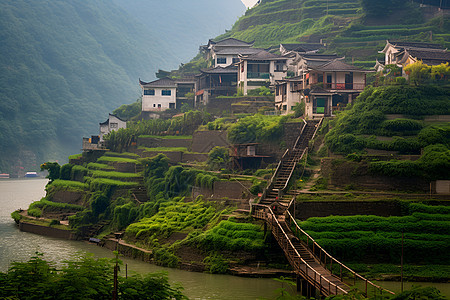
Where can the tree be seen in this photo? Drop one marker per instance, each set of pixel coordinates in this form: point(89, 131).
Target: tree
point(54, 170)
point(218, 158)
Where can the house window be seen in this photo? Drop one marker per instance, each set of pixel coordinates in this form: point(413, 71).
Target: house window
point(166, 92)
point(235, 60)
point(149, 92)
point(221, 60)
point(171, 105)
point(320, 78)
point(113, 125)
point(154, 105)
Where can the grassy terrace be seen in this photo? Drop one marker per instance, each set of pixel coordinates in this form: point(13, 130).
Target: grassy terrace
point(168, 137)
point(98, 166)
point(116, 159)
point(67, 185)
point(113, 175)
point(165, 149)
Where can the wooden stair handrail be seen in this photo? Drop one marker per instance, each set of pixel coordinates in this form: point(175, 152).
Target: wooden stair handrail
point(273, 176)
point(316, 245)
point(307, 266)
point(293, 168)
point(301, 132)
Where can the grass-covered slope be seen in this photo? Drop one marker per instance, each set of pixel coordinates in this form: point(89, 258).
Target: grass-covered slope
point(353, 28)
point(396, 118)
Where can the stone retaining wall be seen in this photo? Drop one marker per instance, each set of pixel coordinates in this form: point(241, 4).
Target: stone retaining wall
point(47, 231)
point(205, 141)
point(159, 142)
point(355, 175)
point(305, 210)
point(69, 197)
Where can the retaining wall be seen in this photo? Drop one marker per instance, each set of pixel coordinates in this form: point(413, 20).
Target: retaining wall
point(159, 142)
point(47, 231)
point(305, 210)
point(343, 174)
point(69, 197)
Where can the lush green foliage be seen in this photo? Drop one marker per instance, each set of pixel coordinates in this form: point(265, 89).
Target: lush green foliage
point(53, 169)
point(355, 238)
point(37, 208)
point(83, 278)
point(66, 185)
point(183, 125)
point(174, 216)
point(114, 175)
point(232, 236)
point(218, 158)
point(257, 128)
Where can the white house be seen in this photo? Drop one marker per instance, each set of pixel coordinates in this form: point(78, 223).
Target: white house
point(158, 95)
point(113, 123)
point(226, 52)
point(260, 69)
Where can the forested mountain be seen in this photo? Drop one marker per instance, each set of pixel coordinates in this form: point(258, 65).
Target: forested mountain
point(65, 64)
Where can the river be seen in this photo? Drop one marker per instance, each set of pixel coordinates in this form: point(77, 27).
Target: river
point(20, 246)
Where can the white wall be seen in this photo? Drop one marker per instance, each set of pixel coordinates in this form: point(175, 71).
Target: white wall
point(151, 102)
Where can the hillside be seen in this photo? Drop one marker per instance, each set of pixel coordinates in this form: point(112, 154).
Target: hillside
point(66, 64)
point(357, 29)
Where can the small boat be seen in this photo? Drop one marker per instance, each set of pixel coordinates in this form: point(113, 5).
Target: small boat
point(31, 174)
point(4, 175)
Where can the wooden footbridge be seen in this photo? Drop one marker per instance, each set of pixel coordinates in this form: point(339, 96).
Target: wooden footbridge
point(317, 271)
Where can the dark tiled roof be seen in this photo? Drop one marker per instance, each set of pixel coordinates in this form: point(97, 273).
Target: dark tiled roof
point(321, 56)
point(437, 57)
point(107, 121)
point(338, 65)
point(163, 82)
point(221, 70)
point(319, 90)
point(409, 45)
point(264, 55)
point(231, 42)
point(237, 51)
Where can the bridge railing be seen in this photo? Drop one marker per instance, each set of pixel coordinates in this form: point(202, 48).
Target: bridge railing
point(325, 258)
point(319, 281)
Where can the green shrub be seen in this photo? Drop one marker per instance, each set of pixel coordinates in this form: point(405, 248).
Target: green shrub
point(164, 257)
point(216, 264)
point(65, 172)
point(257, 128)
point(405, 126)
point(218, 158)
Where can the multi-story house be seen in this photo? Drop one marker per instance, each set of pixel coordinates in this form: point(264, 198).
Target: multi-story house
point(260, 69)
point(324, 87)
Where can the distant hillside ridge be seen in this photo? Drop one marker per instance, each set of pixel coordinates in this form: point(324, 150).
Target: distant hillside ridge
point(66, 64)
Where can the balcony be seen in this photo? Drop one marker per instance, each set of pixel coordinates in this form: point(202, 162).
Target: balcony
point(257, 75)
point(344, 86)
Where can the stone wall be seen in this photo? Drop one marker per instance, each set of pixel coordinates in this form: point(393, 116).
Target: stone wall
point(173, 156)
point(225, 189)
point(189, 157)
point(159, 142)
point(291, 133)
point(220, 105)
point(341, 174)
point(205, 141)
point(47, 231)
point(125, 167)
point(305, 210)
point(69, 197)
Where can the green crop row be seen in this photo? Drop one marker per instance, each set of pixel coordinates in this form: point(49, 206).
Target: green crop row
point(232, 236)
point(116, 159)
point(98, 166)
point(113, 174)
point(67, 184)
